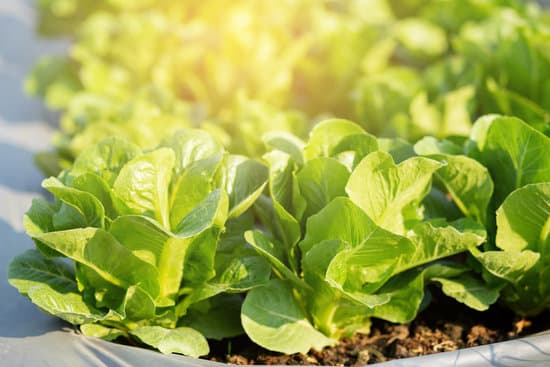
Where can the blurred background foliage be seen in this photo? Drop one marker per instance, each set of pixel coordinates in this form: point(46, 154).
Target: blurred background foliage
point(143, 68)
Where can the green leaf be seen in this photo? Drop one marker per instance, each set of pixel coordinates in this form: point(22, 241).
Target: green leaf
point(100, 331)
point(399, 149)
point(138, 304)
point(100, 251)
point(353, 225)
point(287, 143)
point(364, 267)
point(327, 136)
point(190, 146)
point(321, 180)
point(87, 205)
point(212, 211)
point(143, 184)
point(216, 318)
point(39, 219)
point(429, 145)
point(353, 148)
point(514, 153)
point(156, 246)
point(405, 293)
point(523, 220)
point(371, 253)
point(105, 159)
point(50, 284)
point(95, 185)
point(333, 312)
point(192, 186)
point(199, 265)
point(274, 253)
point(395, 191)
point(438, 204)
point(65, 304)
point(273, 319)
point(282, 189)
point(433, 242)
point(97, 290)
point(470, 291)
point(31, 269)
point(406, 290)
point(510, 265)
point(240, 269)
point(182, 340)
point(236, 270)
point(244, 180)
point(468, 182)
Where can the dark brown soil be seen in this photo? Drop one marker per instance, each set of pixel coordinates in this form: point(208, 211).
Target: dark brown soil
point(444, 326)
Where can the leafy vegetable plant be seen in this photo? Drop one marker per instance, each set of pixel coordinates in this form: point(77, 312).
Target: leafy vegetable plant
point(517, 213)
point(150, 239)
point(348, 240)
point(518, 261)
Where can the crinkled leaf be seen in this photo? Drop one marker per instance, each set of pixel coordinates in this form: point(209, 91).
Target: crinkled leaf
point(105, 159)
point(470, 291)
point(143, 184)
point(394, 191)
point(510, 265)
point(432, 242)
point(192, 145)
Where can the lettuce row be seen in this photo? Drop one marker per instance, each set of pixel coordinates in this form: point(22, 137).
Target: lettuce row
point(327, 235)
point(150, 235)
point(398, 69)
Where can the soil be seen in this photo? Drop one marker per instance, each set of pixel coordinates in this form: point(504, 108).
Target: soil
point(444, 326)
